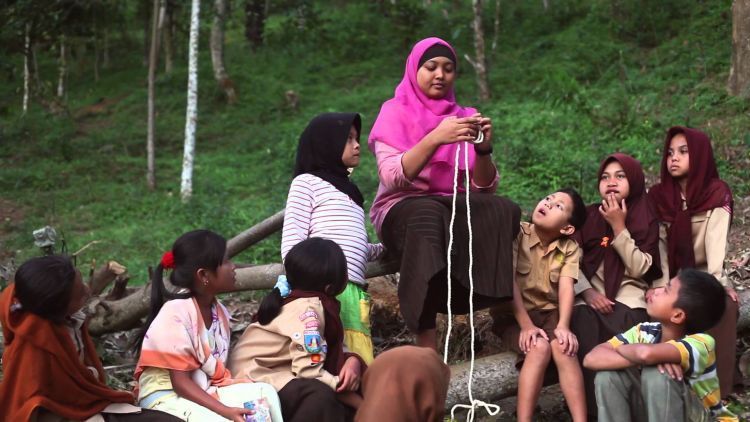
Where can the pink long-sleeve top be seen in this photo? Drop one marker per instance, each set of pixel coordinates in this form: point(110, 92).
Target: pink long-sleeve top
point(395, 186)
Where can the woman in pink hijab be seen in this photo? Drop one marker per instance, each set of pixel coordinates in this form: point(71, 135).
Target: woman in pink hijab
point(415, 140)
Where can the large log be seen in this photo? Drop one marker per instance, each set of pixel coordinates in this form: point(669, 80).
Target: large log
point(255, 234)
point(124, 314)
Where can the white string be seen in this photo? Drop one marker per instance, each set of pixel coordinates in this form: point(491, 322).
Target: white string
point(492, 409)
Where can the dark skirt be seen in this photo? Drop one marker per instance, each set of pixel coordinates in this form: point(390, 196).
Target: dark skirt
point(593, 328)
point(307, 399)
point(417, 230)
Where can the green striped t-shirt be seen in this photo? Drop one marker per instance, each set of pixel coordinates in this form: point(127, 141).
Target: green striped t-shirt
point(698, 361)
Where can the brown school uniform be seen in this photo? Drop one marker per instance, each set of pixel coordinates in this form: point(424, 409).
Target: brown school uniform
point(291, 346)
point(537, 273)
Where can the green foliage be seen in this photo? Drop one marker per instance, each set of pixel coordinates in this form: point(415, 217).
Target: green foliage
point(570, 86)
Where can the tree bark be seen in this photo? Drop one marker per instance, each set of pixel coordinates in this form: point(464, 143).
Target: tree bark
point(186, 187)
point(26, 76)
point(255, 19)
point(62, 69)
point(167, 35)
point(217, 52)
point(739, 72)
point(158, 13)
point(496, 28)
point(480, 64)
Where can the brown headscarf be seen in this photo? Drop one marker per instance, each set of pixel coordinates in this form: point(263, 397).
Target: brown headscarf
point(405, 384)
point(640, 221)
point(705, 191)
point(42, 369)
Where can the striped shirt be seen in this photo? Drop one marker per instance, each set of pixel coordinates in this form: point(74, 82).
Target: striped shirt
point(698, 361)
point(315, 208)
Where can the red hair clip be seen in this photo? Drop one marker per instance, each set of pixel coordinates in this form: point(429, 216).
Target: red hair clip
point(167, 260)
point(605, 241)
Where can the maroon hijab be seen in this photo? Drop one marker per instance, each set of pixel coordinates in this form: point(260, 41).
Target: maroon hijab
point(705, 191)
point(640, 221)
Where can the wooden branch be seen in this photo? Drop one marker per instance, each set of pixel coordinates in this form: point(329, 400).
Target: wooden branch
point(120, 288)
point(255, 234)
point(105, 275)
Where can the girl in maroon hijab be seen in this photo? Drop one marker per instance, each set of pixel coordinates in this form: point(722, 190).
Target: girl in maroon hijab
point(695, 209)
point(620, 242)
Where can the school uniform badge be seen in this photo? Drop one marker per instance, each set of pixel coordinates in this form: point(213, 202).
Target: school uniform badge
point(313, 341)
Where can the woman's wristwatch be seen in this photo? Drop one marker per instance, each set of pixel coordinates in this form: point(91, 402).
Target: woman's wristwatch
point(481, 152)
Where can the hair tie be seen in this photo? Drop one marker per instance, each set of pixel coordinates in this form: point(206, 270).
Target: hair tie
point(167, 260)
point(283, 285)
point(16, 306)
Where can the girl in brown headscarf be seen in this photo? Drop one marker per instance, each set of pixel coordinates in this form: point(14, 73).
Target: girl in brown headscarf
point(695, 209)
point(620, 242)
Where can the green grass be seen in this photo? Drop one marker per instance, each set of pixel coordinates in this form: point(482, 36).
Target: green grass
point(569, 87)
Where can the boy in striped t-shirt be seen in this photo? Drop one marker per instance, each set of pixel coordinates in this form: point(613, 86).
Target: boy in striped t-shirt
point(677, 379)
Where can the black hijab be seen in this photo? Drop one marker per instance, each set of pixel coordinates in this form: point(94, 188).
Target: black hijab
point(321, 146)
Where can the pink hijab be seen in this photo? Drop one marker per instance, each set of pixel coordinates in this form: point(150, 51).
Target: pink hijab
point(410, 115)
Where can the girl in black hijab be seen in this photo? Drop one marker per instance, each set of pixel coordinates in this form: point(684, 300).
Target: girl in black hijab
point(324, 202)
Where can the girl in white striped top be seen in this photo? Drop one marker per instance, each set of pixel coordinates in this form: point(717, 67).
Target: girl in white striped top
point(324, 202)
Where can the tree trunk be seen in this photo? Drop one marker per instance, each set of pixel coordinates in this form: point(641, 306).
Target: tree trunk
point(480, 64)
point(255, 234)
point(186, 188)
point(217, 52)
point(167, 35)
point(255, 18)
point(496, 28)
point(105, 52)
point(62, 69)
point(157, 20)
point(26, 76)
point(739, 72)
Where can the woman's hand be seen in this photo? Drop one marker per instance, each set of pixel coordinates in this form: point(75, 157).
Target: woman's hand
point(613, 213)
point(598, 301)
point(567, 340)
point(236, 414)
point(456, 129)
point(732, 294)
point(350, 375)
point(485, 125)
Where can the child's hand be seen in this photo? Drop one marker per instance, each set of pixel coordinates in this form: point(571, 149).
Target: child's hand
point(614, 213)
point(598, 301)
point(672, 370)
point(236, 414)
point(567, 340)
point(349, 375)
point(528, 337)
point(455, 129)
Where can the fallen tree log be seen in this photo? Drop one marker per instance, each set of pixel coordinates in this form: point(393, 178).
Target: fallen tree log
point(124, 314)
point(255, 234)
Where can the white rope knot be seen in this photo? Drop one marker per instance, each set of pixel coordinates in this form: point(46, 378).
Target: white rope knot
point(492, 409)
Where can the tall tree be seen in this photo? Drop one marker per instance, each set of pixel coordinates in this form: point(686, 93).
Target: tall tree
point(26, 76)
point(479, 62)
point(739, 72)
point(191, 117)
point(217, 51)
point(255, 18)
point(158, 19)
point(62, 70)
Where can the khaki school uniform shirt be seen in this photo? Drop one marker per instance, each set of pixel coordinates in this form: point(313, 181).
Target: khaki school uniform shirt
point(632, 288)
point(710, 234)
point(291, 346)
point(538, 269)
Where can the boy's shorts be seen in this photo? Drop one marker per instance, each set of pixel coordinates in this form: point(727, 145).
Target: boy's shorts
point(511, 331)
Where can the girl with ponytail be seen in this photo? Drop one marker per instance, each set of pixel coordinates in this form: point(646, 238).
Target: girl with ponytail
point(296, 342)
point(185, 343)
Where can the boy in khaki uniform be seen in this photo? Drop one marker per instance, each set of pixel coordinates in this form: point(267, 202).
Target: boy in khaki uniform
point(546, 268)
